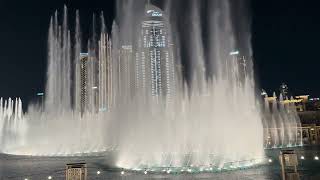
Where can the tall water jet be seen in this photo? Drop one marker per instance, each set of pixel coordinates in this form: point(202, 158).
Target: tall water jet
point(77, 50)
point(58, 91)
point(13, 125)
point(282, 123)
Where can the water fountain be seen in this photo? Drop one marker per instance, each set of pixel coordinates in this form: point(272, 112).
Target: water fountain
point(12, 124)
point(282, 123)
point(211, 120)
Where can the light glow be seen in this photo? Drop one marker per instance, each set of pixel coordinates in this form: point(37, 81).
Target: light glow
point(234, 53)
point(40, 94)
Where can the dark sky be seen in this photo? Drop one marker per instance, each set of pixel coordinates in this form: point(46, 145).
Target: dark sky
point(285, 40)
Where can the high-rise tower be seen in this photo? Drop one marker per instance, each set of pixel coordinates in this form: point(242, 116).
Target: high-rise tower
point(154, 63)
point(83, 82)
point(88, 95)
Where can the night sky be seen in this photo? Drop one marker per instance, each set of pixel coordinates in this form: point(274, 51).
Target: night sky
point(285, 40)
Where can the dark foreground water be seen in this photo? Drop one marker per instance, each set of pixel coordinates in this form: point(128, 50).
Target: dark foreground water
point(39, 168)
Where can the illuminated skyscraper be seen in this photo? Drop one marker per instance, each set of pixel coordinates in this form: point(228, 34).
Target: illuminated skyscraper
point(88, 88)
point(83, 82)
point(154, 63)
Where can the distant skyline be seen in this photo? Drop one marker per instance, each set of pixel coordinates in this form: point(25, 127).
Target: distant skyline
point(284, 39)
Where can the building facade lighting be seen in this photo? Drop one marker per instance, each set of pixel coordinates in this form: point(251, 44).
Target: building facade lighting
point(232, 53)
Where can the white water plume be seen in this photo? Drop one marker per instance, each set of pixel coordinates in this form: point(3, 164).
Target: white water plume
point(154, 94)
point(281, 123)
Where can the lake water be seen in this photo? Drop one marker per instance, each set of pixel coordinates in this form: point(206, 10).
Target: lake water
point(39, 168)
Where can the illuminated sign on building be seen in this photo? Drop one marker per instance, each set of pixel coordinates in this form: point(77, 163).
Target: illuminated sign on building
point(154, 13)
